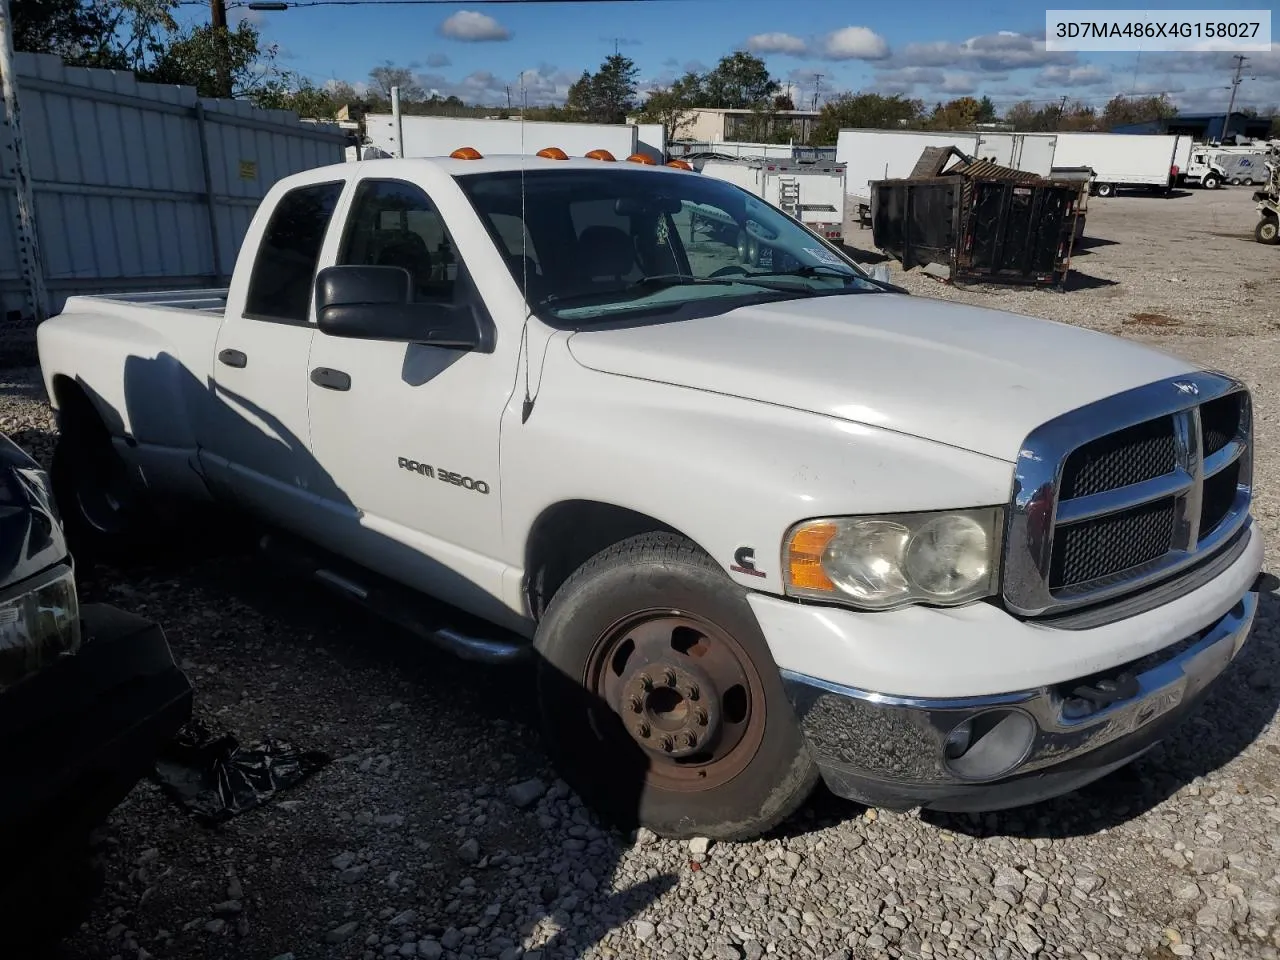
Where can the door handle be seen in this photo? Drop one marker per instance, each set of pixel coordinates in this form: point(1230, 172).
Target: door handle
point(330, 379)
point(233, 358)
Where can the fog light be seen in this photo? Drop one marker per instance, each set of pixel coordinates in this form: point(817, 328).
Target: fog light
point(990, 745)
point(958, 741)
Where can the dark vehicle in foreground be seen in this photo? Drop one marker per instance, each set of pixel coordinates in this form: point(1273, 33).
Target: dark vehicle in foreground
point(88, 695)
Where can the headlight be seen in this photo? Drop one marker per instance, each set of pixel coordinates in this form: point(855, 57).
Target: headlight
point(37, 627)
point(946, 558)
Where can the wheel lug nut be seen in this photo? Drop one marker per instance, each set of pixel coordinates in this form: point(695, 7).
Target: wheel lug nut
point(701, 716)
point(643, 730)
point(690, 740)
point(667, 744)
point(646, 682)
point(635, 703)
point(692, 692)
point(669, 678)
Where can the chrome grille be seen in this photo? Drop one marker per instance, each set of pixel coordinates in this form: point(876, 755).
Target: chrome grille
point(1128, 491)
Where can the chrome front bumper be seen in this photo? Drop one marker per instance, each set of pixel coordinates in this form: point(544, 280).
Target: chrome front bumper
point(891, 751)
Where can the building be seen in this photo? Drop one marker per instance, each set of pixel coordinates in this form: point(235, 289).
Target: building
point(1204, 126)
point(718, 123)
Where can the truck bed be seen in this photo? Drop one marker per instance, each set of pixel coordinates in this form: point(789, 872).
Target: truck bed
point(204, 299)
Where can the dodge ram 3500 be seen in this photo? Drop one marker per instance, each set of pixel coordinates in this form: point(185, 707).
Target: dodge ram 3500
point(756, 521)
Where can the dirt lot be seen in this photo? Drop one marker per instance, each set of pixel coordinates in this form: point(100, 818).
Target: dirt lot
point(411, 844)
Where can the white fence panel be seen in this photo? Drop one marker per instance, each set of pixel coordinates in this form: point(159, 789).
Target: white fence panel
point(118, 172)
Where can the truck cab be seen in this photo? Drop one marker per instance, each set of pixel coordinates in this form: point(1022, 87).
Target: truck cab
point(756, 517)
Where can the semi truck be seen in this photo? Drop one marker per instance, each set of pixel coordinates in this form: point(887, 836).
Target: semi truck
point(749, 522)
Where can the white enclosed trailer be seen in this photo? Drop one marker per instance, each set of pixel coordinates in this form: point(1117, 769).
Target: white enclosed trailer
point(810, 191)
point(870, 155)
point(1119, 160)
point(440, 136)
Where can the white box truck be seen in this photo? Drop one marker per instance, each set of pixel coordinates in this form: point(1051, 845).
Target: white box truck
point(810, 191)
point(1120, 160)
point(440, 136)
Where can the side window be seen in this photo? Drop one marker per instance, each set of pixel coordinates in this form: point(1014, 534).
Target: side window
point(283, 278)
point(395, 224)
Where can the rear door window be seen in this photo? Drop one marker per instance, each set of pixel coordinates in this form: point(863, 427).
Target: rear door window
point(283, 278)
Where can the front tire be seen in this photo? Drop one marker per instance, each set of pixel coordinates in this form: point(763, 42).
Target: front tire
point(1210, 182)
point(1267, 231)
point(660, 702)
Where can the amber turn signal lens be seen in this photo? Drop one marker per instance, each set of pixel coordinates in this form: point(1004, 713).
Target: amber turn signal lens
point(466, 153)
point(553, 153)
point(600, 155)
point(804, 556)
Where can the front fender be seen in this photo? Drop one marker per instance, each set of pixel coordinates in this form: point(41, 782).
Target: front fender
point(732, 475)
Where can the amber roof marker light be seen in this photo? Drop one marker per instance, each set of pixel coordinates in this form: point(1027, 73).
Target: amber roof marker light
point(601, 155)
point(642, 158)
point(466, 153)
point(680, 164)
point(552, 153)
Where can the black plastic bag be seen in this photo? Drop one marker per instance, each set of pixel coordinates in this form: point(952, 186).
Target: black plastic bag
point(210, 774)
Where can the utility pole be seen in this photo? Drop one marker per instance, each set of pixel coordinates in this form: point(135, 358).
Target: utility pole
point(1240, 60)
point(817, 87)
point(218, 18)
point(1062, 109)
point(29, 259)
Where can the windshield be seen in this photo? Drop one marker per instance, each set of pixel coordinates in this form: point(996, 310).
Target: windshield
point(594, 245)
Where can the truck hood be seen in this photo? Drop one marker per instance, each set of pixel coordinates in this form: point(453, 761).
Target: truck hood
point(970, 377)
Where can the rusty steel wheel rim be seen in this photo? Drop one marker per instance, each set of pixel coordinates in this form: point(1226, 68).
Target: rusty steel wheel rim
point(687, 693)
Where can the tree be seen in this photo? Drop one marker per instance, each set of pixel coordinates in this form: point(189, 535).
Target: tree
point(871, 110)
point(783, 101)
point(673, 106)
point(739, 81)
point(986, 110)
point(607, 95)
point(1121, 110)
point(959, 114)
point(193, 56)
point(388, 75)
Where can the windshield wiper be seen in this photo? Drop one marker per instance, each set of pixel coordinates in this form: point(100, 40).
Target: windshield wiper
point(663, 281)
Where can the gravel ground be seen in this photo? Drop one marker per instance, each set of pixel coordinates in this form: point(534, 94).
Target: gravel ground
point(440, 832)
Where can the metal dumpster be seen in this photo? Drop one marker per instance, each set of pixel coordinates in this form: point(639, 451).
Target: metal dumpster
point(980, 221)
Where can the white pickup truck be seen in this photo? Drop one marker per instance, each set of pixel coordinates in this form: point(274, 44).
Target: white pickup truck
point(756, 522)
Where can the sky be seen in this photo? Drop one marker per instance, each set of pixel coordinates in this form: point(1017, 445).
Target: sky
point(931, 49)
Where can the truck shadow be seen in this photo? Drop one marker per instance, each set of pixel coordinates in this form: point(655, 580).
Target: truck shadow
point(582, 914)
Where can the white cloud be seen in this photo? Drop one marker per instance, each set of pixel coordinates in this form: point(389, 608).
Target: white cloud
point(543, 86)
point(1087, 75)
point(784, 43)
point(471, 27)
point(1005, 50)
point(855, 43)
point(438, 60)
point(931, 82)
